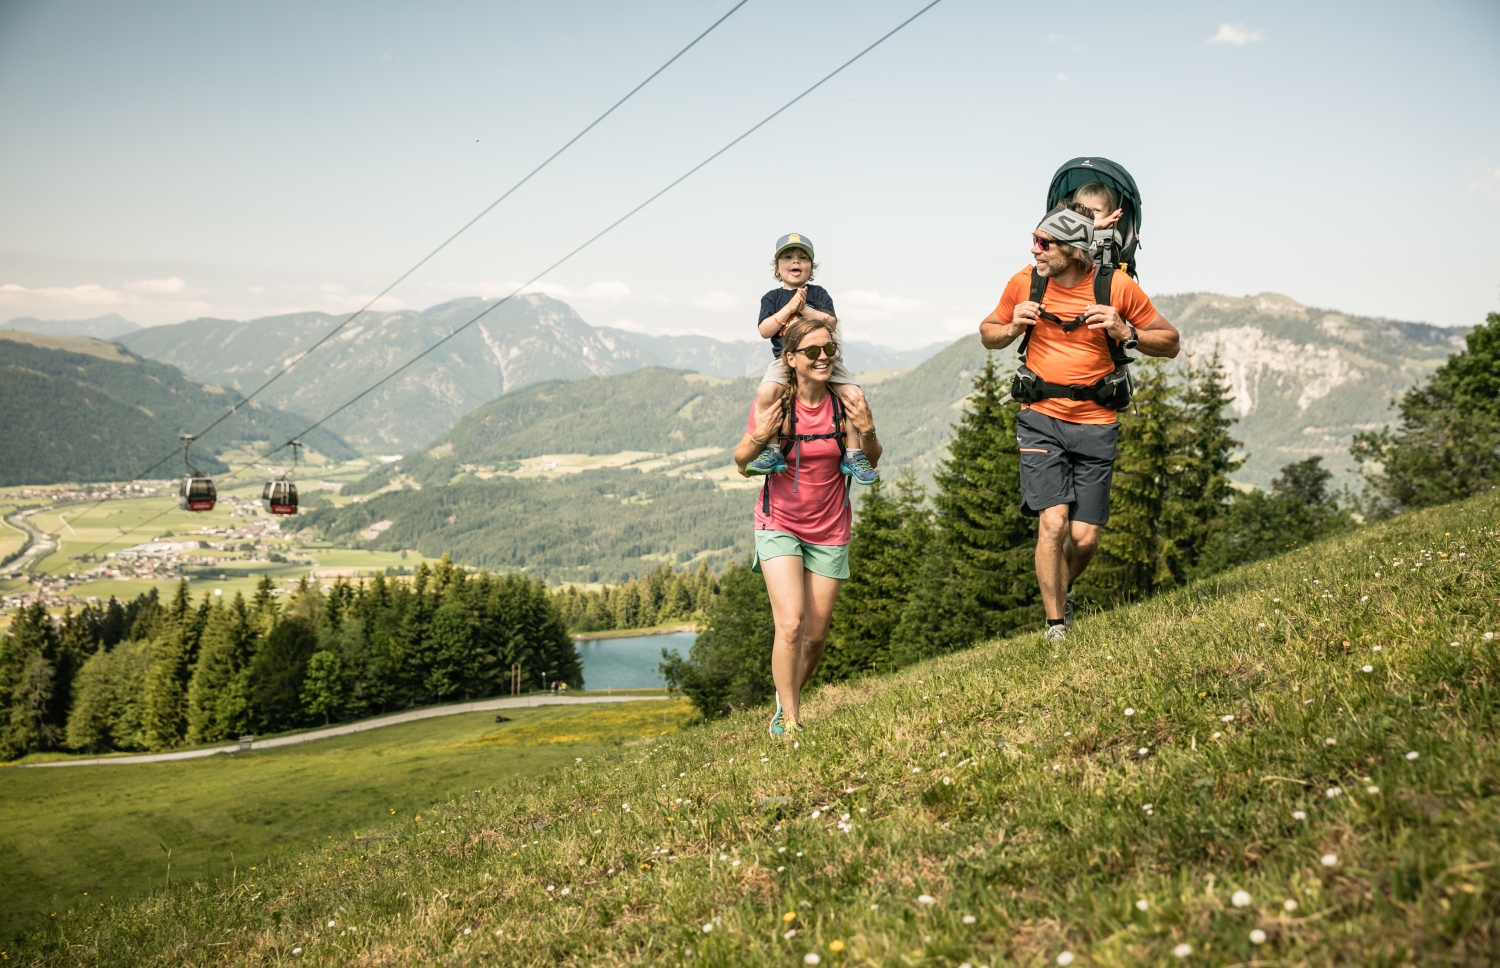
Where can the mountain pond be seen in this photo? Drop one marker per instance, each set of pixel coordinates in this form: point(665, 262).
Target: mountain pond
point(630, 661)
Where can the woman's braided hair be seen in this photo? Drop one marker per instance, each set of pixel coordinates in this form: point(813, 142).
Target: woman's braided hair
point(791, 338)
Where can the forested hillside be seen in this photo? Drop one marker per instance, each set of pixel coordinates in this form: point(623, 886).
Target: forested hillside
point(655, 410)
point(599, 526)
point(90, 410)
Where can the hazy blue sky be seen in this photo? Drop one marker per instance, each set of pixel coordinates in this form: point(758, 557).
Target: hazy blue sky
point(166, 160)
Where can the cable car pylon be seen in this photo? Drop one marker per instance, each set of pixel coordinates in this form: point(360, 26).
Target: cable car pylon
point(197, 492)
point(279, 496)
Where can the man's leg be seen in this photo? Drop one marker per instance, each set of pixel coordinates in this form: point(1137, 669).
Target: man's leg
point(1083, 541)
point(1052, 566)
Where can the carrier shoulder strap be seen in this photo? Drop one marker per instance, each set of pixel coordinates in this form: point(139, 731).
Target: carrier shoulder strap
point(789, 441)
point(1104, 279)
point(1038, 290)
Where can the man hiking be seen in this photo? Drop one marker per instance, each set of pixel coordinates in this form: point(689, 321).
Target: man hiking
point(1076, 321)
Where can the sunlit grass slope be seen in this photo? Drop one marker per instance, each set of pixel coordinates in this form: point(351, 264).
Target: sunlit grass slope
point(104, 830)
point(1317, 732)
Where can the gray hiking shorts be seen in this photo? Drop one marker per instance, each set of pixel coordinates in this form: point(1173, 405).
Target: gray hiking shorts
point(1066, 463)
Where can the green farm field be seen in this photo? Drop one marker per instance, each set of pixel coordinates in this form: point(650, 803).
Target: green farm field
point(1293, 763)
point(78, 837)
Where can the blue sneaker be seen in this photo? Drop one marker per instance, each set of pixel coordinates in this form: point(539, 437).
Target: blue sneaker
point(770, 461)
point(778, 727)
point(858, 467)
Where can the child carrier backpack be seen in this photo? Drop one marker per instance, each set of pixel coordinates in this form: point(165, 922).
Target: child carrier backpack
point(1112, 391)
point(793, 440)
point(1112, 247)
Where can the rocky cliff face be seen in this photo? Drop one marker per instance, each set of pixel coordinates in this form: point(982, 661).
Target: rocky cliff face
point(1304, 380)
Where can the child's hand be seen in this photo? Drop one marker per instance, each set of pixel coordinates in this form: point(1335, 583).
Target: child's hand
point(1108, 221)
point(798, 300)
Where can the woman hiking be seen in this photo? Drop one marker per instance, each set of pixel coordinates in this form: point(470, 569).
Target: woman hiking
point(802, 517)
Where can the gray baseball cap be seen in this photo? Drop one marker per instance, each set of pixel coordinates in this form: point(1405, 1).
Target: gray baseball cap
point(793, 240)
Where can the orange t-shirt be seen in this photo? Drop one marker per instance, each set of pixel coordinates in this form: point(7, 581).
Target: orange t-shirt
point(1080, 356)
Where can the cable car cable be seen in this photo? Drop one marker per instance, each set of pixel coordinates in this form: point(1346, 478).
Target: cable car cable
point(470, 223)
point(596, 237)
point(607, 229)
point(445, 243)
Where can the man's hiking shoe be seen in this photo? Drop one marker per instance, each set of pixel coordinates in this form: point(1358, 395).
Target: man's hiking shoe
point(778, 722)
point(1055, 633)
point(858, 467)
point(770, 461)
point(1068, 606)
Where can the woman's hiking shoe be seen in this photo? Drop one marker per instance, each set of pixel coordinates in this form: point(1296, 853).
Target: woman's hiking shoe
point(770, 461)
point(858, 467)
point(778, 722)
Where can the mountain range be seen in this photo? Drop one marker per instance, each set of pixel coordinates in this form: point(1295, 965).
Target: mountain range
point(527, 340)
point(108, 327)
point(80, 409)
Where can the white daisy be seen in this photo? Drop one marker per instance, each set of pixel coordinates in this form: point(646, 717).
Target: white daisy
point(1257, 936)
point(1240, 899)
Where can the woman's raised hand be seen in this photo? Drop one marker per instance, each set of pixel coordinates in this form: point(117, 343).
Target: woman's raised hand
point(767, 421)
point(858, 411)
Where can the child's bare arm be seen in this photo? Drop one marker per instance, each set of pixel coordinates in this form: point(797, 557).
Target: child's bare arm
point(1108, 221)
point(777, 321)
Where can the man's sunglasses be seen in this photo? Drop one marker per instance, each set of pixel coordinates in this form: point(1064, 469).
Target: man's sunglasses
point(1045, 244)
point(815, 352)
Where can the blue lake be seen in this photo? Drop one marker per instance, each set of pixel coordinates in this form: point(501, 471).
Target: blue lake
point(630, 662)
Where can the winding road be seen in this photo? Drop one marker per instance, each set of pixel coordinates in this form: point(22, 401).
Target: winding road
point(411, 715)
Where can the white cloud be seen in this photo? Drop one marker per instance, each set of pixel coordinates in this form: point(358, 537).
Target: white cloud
point(1487, 182)
point(169, 285)
point(1236, 34)
point(88, 294)
point(717, 301)
point(870, 305)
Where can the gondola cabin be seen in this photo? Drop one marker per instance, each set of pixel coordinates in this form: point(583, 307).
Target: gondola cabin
point(279, 497)
point(197, 494)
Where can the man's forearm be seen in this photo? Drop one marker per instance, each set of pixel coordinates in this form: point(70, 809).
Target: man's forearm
point(1160, 339)
point(997, 336)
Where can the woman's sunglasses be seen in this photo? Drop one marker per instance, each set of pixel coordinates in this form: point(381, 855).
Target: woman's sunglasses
point(815, 352)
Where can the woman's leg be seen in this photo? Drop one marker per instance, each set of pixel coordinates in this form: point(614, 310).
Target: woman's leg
point(818, 595)
point(784, 584)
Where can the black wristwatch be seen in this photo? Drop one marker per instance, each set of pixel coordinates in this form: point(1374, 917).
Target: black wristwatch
point(1135, 338)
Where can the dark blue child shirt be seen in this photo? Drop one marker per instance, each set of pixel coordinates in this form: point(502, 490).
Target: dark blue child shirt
point(775, 300)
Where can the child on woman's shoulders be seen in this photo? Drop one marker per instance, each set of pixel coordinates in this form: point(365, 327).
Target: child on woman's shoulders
point(794, 267)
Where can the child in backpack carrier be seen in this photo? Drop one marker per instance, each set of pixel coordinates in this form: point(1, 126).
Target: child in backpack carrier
point(797, 298)
point(1102, 201)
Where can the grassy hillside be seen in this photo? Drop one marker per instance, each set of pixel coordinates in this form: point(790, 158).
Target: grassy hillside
point(1317, 732)
point(91, 410)
point(101, 829)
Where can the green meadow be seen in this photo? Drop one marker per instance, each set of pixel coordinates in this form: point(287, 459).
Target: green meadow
point(79, 837)
point(1295, 762)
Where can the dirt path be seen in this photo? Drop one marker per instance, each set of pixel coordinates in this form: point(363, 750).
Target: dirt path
point(484, 705)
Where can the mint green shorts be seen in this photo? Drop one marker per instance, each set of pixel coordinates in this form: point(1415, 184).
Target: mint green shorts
point(830, 561)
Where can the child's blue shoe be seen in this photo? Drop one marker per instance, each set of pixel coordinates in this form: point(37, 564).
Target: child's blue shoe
point(858, 467)
point(770, 461)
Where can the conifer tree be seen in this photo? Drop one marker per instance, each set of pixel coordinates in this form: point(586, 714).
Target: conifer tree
point(28, 684)
point(886, 548)
point(1199, 490)
point(1134, 557)
point(227, 645)
point(979, 577)
point(323, 689)
point(729, 665)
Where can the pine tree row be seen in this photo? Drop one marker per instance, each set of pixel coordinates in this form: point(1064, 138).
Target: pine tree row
point(662, 597)
point(153, 676)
